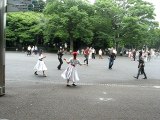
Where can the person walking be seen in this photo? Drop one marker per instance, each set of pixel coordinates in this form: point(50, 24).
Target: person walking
point(141, 66)
point(29, 50)
point(32, 50)
point(90, 53)
point(100, 54)
point(93, 53)
point(140, 54)
point(40, 65)
point(60, 54)
point(112, 57)
point(134, 55)
point(86, 54)
point(71, 74)
point(149, 56)
point(35, 50)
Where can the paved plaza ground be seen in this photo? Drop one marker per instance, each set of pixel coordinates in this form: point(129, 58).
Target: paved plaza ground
point(101, 94)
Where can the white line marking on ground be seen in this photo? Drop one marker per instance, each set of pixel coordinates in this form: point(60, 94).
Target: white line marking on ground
point(85, 84)
point(156, 86)
point(101, 98)
point(106, 99)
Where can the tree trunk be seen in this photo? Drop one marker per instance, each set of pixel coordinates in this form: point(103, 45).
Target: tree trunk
point(71, 44)
point(116, 41)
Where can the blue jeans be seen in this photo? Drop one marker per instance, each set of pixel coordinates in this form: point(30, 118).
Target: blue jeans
point(111, 61)
point(86, 59)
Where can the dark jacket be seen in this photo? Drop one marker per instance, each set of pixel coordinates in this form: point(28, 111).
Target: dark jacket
point(60, 53)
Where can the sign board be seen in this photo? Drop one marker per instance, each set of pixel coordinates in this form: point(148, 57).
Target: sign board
point(18, 5)
point(19, 1)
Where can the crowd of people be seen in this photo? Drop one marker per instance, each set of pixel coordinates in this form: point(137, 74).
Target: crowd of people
point(92, 52)
point(32, 50)
point(146, 54)
point(71, 74)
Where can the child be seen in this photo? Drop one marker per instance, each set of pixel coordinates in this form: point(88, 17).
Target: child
point(40, 65)
point(71, 74)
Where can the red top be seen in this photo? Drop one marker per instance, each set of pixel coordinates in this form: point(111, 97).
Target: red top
point(86, 51)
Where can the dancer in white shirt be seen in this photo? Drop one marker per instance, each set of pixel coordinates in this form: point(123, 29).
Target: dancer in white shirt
point(40, 65)
point(71, 74)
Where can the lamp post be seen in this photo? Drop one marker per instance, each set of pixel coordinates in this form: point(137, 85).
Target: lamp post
point(2, 46)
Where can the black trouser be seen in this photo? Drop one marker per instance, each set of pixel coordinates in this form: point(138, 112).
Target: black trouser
point(141, 70)
point(93, 55)
point(29, 52)
point(111, 62)
point(86, 59)
point(134, 57)
point(35, 51)
point(60, 63)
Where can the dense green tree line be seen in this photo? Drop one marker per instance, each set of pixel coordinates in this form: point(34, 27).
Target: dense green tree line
point(107, 23)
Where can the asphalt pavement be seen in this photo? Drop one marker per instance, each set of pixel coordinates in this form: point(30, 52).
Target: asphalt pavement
point(101, 94)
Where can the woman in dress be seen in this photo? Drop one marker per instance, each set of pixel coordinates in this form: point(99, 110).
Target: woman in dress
point(40, 65)
point(71, 74)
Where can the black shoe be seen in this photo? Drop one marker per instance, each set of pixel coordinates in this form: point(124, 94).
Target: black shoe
point(74, 84)
point(68, 85)
point(135, 77)
point(145, 78)
point(44, 75)
point(35, 73)
point(58, 68)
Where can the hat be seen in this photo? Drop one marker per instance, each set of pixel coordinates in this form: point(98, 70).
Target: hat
point(74, 53)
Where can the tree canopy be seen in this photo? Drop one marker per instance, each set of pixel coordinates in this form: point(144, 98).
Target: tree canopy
point(106, 23)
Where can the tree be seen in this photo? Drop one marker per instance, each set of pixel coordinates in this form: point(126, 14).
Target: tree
point(69, 20)
point(137, 21)
point(107, 23)
point(109, 17)
point(38, 5)
point(24, 28)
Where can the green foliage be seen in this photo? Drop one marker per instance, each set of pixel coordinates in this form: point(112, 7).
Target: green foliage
point(23, 27)
point(69, 20)
point(107, 23)
point(137, 21)
point(38, 5)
